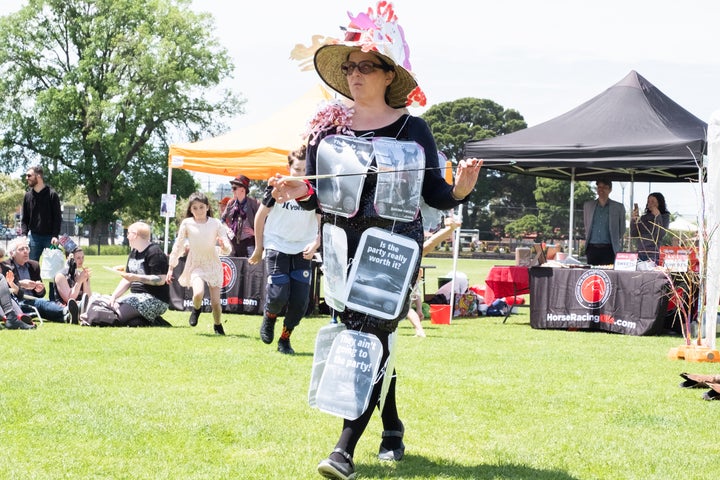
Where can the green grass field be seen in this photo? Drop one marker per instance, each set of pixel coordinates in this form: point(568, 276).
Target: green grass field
point(480, 400)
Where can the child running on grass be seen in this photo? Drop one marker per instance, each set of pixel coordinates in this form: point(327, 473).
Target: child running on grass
point(199, 234)
point(290, 236)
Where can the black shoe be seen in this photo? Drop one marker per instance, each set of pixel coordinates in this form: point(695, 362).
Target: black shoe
point(194, 316)
point(329, 468)
point(219, 329)
point(83, 303)
point(267, 329)
point(74, 310)
point(284, 347)
point(395, 452)
point(17, 324)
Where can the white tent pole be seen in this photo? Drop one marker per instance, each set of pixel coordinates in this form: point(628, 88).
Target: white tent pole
point(456, 254)
point(708, 229)
point(167, 216)
point(571, 237)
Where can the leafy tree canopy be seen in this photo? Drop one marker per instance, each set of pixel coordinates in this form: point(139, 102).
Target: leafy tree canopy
point(457, 122)
point(94, 89)
point(498, 196)
point(12, 191)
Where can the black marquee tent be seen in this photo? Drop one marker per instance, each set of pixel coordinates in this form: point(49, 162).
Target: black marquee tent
point(630, 132)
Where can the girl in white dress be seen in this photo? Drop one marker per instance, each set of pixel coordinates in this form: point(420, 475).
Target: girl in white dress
point(198, 235)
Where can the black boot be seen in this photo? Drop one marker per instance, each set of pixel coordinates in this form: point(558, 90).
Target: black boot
point(219, 329)
point(194, 316)
point(267, 328)
point(284, 346)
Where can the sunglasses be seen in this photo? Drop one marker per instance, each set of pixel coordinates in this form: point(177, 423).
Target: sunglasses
point(365, 67)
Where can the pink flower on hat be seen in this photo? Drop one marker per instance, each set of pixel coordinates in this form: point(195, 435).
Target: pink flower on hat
point(379, 31)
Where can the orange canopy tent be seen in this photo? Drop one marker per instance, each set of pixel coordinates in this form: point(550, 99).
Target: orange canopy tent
point(258, 151)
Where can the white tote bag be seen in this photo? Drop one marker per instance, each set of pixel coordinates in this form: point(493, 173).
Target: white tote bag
point(52, 262)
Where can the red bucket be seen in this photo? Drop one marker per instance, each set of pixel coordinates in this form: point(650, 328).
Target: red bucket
point(440, 314)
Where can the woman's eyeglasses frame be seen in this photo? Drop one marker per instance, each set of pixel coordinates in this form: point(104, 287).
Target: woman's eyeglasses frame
point(365, 67)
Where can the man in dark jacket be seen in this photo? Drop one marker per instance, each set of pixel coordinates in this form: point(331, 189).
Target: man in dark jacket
point(41, 213)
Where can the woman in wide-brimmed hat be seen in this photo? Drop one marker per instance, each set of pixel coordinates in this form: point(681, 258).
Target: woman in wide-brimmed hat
point(371, 68)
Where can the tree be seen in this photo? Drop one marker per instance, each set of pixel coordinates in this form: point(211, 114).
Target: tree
point(553, 201)
point(12, 191)
point(498, 196)
point(524, 226)
point(94, 89)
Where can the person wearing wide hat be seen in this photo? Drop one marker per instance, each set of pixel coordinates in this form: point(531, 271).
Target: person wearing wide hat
point(239, 216)
point(371, 67)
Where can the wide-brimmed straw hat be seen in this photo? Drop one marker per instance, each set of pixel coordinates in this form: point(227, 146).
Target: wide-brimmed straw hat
point(375, 31)
point(329, 58)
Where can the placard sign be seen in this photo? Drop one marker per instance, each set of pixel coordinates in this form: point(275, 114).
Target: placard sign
point(343, 160)
point(401, 169)
point(682, 259)
point(626, 261)
point(380, 276)
point(677, 262)
point(349, 374)
point(334, 267)
point(167, 205)
point(323, 343)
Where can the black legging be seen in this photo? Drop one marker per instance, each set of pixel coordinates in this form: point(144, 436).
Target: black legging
point(353, 429)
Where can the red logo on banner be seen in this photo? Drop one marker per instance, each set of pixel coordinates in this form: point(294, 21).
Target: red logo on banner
point(229, 274)
point(593, 289)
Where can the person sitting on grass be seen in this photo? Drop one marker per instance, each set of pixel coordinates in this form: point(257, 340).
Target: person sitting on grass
point(144, 276)
point(72, 284)
point(12, 317)
point(27, 275)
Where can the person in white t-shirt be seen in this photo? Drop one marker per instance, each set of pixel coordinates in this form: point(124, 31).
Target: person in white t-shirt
point(289, 236)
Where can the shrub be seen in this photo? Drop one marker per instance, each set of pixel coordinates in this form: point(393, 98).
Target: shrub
point(106, 250)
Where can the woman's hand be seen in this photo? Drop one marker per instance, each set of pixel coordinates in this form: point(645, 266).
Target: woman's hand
point(83, 276)
point(466, 177)
point(286, 188)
